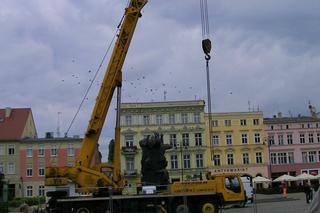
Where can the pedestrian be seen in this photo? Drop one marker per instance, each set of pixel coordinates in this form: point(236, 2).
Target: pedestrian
point(315, 204)
point(307, 190)
point(284, 187)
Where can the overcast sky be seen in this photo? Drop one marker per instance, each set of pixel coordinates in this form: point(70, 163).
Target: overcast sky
point(264, 51)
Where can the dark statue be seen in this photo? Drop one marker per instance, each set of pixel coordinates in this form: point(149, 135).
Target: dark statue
point(153, 162)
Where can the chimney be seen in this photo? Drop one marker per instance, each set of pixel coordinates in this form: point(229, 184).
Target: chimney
point(279, 114)
point(8, 111)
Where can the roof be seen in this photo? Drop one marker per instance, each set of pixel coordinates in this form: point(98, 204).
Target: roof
point(284, 120)
point(12, 126)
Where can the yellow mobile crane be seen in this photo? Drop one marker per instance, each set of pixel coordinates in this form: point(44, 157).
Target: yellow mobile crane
point(96, 180)
point(87, 178)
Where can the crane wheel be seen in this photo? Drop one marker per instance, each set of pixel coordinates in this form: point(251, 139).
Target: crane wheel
point(82, 210)
point(208, 208)
point(182, 209)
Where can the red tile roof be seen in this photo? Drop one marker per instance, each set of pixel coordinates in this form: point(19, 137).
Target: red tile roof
point(11, 128)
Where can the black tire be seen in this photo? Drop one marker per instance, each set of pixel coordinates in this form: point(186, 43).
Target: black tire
point(181, 208)
point(243, 204)
point(82, 209)
point(208, 207)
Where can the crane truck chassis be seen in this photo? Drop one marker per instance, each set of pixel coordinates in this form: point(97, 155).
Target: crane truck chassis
point(205, 196)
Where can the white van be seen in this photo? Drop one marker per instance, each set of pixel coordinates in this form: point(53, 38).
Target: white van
point(248, 186)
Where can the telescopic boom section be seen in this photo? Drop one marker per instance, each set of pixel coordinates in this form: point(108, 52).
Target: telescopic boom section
point(112, 79)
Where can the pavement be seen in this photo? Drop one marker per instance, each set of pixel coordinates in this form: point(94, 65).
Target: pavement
point(294, 203)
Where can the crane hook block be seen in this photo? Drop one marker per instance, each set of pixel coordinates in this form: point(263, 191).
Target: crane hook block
point(206, 46)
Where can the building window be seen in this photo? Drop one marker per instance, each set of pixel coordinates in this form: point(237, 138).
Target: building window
point(172, 119)
point(215, 123)
point(289, 139)
point(2, 149)
point(228, 139)
point(1, 167)
point(256, 137)
point(146, 120)
point(130, 164)
point(174, 161)
point(230, 159)
point(255, 122)
point(128, 120)
point(227, 122)
point(309, 126)
point(41, 191)
point(184, 118)
point(245, 158)
point(185, 139)
point(282, 158)
point(70, 150)
point(304, 157)
point(302, 140)
point(41, 171)
point(158, 119)
point(280, 139)
point(53, 150)
point(198, 139)
point(173, 140)
point(216, 160)
point(318, 137)
point(199, 160)
point(29, 151)
point(128, 140)
point(244, 138)
point(196, 117)
point(11, 149)
point(243, 122)
point(271, 139)
point(41, 150)
point(11, 168)
point(29, 171)
point(312, 157)
point(302, 126)
point(186, 161)
point(29, 191)
point(273, 157)
point(310, 137)
point(271, 127)
point(258, 157)
point(215, 139)
point(290, 157)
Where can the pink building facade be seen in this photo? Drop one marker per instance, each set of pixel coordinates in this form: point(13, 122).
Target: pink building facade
point(37, 154)
point(293, 145)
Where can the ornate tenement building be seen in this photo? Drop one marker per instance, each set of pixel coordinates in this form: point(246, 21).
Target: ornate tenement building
point(182, 125)
point(293, 144)
point(237, 143)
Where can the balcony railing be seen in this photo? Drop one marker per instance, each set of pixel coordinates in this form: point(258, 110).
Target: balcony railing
point(129, 149)
point(130, 173)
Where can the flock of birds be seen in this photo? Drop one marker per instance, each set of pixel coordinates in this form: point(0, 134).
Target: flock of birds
point(135, 90)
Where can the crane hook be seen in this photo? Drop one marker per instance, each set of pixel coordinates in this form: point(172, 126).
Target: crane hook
point(206, 46)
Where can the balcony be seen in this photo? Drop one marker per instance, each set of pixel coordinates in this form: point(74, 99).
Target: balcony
point(129, 149)
point(130, 173)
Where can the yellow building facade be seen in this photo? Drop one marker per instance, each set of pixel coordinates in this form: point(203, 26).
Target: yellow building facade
point(236, 143)
point(182, 125)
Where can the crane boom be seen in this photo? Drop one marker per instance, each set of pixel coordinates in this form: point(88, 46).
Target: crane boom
point(83, 174)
